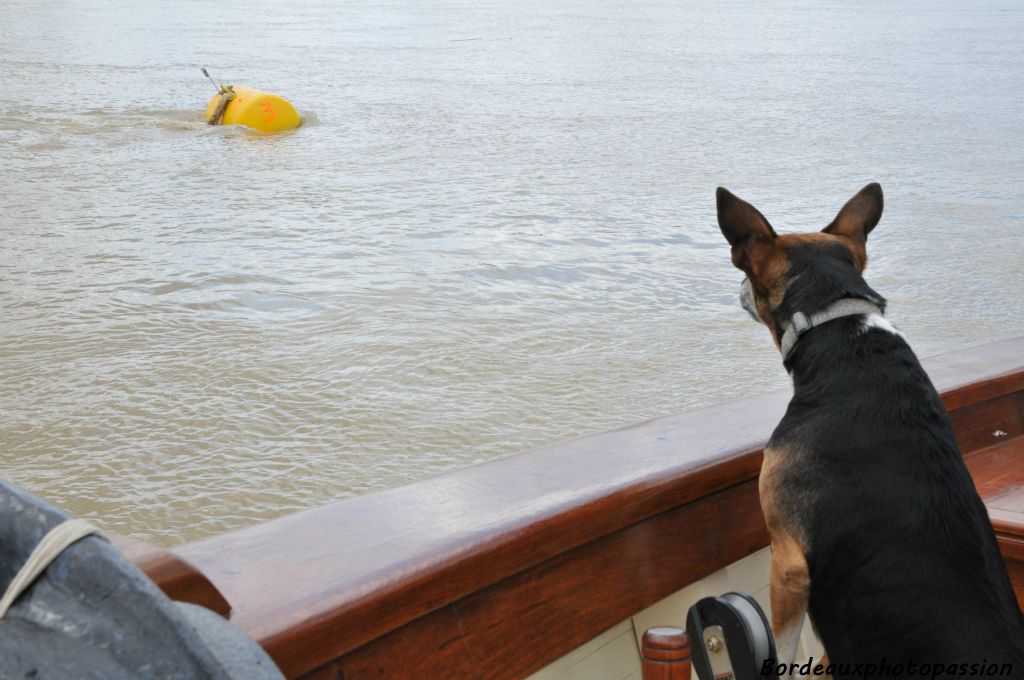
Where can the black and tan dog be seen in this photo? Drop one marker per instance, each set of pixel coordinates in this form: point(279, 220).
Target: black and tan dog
point(876, 527)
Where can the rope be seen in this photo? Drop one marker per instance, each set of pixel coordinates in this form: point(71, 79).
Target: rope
point(53, 544)
point(227, 93)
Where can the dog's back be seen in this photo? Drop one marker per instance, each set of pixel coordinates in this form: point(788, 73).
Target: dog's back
point(875, 523)
point(902, 560)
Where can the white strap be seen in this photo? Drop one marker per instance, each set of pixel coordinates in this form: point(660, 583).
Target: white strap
point(53, 544)
point(801, 323)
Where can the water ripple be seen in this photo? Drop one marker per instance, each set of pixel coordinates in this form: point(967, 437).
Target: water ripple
point(471, 247)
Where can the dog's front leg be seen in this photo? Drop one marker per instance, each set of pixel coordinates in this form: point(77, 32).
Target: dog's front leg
point(789, 590)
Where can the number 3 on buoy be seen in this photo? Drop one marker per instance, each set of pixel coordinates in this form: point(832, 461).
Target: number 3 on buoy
point(268, 109)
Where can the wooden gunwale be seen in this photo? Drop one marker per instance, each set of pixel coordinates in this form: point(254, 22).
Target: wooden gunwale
point(178, 579)
point(340, 587)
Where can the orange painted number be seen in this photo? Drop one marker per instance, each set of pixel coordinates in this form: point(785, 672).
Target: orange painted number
point(271, 113)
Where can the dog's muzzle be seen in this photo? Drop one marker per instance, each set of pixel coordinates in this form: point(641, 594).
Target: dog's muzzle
point(747, 300)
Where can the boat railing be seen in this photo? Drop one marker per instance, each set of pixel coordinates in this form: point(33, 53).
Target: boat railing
point(498, 569)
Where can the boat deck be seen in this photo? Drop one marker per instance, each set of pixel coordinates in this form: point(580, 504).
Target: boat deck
point(998, 472)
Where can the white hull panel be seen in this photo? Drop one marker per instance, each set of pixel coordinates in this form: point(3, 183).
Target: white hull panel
point(615, 653)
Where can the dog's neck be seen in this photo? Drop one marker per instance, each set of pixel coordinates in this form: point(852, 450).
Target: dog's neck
point(800, 323)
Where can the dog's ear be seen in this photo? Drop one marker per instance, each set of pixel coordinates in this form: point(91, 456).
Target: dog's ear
point(747, 231)
point(859, 216)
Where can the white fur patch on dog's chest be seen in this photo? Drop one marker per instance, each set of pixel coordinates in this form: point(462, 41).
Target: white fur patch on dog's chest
point(880, 322)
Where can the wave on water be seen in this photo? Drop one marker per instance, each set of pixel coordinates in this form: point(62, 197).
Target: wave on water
point(100, 121)
point(110, 120)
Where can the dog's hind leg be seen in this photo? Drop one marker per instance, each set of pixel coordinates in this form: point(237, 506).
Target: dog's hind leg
point(789, 589)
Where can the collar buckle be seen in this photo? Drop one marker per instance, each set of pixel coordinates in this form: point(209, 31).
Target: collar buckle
point(800, 323)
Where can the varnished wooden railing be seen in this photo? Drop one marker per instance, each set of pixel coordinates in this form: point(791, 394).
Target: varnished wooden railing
point(498, 569)
point(178, 579)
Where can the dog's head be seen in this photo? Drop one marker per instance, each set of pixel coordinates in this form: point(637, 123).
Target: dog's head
point(799, 272)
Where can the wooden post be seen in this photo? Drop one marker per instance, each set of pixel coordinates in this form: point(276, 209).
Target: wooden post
point(665, 654)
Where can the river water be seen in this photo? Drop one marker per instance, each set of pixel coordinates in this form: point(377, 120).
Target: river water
point(495, 230)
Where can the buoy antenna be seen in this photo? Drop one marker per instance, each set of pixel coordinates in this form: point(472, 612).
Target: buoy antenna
point(207, 74)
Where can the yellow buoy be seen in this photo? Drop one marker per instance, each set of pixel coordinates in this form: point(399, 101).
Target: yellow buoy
point(258, 110)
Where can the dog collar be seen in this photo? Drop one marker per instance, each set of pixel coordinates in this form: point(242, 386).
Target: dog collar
point(800, 323)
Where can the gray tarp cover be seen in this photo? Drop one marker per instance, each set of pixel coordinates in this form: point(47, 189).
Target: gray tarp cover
point(92, 614)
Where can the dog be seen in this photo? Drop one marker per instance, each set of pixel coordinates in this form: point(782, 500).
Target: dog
point(876, 527)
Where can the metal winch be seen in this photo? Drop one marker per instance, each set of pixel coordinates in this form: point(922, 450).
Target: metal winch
point(730, 637)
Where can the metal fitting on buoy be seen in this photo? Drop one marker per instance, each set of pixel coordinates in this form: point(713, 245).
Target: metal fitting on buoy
point(226, 94)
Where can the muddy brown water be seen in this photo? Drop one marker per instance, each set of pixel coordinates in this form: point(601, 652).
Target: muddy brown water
point(495, 230)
